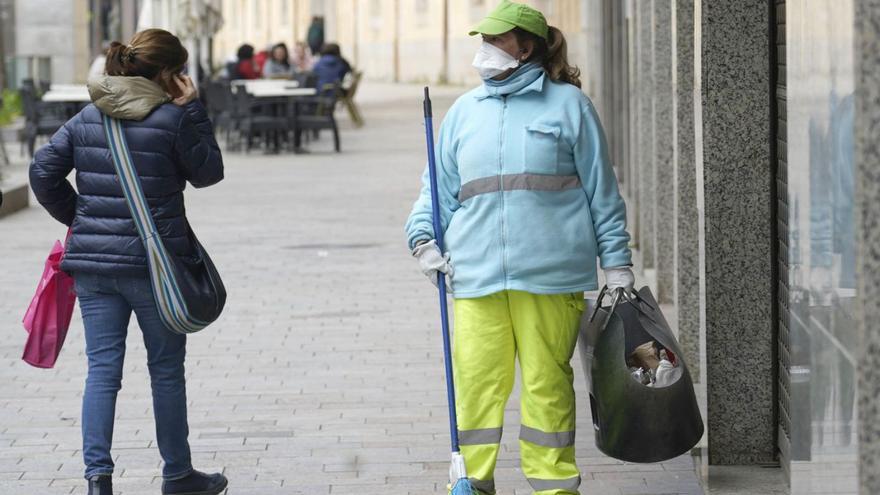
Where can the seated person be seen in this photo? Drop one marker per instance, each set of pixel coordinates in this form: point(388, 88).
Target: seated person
point(278, 65)
point(245, 68)
point(331, 68)
point(301, 59)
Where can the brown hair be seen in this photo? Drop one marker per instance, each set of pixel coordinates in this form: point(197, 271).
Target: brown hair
point(154, 54)
point(552, 53)
point(331, 49)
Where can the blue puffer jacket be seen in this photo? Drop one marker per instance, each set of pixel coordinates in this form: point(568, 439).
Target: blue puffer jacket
point(330, 69)
point(170, 146)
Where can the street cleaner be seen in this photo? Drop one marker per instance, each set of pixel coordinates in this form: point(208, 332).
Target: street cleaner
point(528, 202)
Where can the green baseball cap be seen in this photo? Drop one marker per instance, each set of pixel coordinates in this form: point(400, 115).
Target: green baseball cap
point(508, 15)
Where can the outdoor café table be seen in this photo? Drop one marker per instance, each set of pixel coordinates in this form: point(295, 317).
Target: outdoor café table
point(258, 92)
point(259, 84)
point(68, 96)
point(68, 88)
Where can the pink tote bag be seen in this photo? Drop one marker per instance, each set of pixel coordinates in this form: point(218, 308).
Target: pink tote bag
point(49, 313)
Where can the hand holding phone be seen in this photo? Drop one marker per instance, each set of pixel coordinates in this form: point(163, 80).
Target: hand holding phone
point(186, 89)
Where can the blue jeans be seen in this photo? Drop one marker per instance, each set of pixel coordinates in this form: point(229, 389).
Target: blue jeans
point(106, 304)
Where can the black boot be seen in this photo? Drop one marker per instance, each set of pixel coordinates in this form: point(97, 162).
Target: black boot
point(101, 485)
point(196, 483)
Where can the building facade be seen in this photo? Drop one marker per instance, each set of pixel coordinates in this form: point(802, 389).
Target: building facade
point(742, 134)
point(57, 41)
point(195, 22)
point(394, 40)
point(44, 39)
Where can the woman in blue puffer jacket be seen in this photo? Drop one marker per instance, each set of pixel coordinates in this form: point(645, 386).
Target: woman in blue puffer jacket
point(172, 143)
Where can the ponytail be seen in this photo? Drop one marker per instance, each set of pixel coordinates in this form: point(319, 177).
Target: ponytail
point(556, 60)
point(552, 54)
point(118, 58)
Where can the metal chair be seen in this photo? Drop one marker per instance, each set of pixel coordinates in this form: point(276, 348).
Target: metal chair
point(267, 118)
point(41, 118)
point(347, 99)
point(306, 79)
point(219, 103)
point(28, 83)
point(316, 113)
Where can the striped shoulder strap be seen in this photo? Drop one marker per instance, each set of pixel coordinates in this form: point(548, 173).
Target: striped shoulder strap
point(169, 299)
point(128, 178)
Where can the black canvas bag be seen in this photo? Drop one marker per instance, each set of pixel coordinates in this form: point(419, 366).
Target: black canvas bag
point(634, 422)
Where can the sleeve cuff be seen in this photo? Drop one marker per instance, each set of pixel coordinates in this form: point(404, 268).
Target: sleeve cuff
point(616, 260)
point(418, 238)
point(196, 110)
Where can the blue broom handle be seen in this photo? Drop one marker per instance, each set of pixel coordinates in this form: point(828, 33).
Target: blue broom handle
point(441, 277)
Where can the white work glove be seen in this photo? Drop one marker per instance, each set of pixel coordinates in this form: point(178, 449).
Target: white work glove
point(620, 277)
point(432, 261)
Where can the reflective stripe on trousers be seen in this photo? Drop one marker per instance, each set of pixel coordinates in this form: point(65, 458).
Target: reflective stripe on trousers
point(560, 486)
point(491, 333)
point(522, 182)
point(479, 437)
point(555, 440)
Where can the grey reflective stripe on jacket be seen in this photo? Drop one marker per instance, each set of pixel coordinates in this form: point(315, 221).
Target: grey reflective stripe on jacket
point(570, 484)
point(482, 436)
point(556, 440)
point(522, 182)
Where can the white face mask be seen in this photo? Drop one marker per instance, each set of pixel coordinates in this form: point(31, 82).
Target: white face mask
point(491, 61)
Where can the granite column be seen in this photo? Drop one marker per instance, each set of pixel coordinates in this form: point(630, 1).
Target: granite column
point(738, 232)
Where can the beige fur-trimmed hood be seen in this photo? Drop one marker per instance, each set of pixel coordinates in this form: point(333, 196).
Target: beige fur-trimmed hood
point(126, 98)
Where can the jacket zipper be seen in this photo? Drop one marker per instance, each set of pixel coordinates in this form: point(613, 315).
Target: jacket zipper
point(501, 189)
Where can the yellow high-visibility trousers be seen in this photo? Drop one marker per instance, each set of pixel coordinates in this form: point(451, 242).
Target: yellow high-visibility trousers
point(491, 332)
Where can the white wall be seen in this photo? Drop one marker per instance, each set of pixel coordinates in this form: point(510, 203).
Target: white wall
point(47, 28)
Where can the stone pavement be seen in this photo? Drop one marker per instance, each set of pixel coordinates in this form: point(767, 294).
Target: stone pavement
point(324, 375)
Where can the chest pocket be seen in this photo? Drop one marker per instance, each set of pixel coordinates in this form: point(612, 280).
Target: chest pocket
point(541, 149)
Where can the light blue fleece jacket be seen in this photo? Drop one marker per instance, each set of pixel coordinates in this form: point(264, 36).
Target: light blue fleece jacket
point(528, 197)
